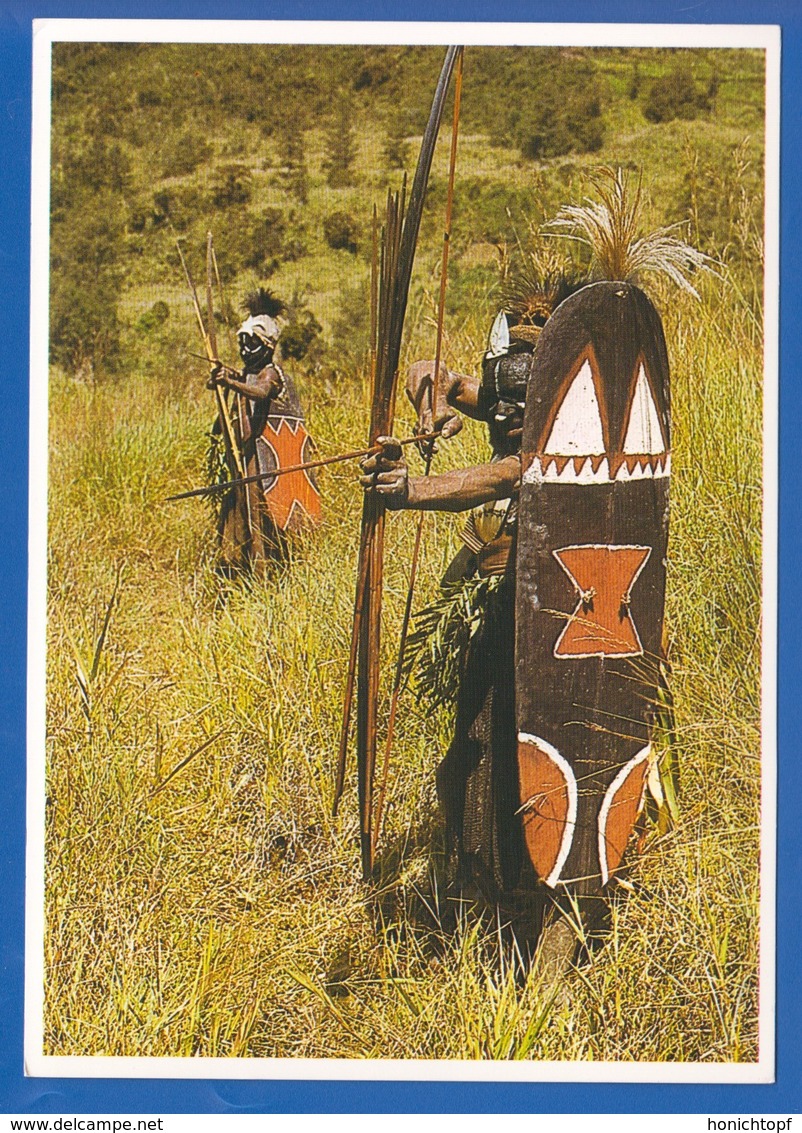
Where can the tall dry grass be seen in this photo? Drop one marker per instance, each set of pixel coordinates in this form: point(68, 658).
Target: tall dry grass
point(223, 913)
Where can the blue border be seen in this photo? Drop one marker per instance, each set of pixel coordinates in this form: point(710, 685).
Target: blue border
point(21, 1095)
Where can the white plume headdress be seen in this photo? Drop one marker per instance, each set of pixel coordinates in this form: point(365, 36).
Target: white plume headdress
point(611, 227)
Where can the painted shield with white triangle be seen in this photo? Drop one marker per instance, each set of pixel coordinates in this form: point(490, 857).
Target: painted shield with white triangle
point(591, 571)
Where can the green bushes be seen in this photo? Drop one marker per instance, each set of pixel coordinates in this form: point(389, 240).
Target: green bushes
point(155, 317)
point(186, 154)
point(302, 336)
point(231, 185)
point(675, 95)
point(560, 123)
point(340, 230)
point(85, 280)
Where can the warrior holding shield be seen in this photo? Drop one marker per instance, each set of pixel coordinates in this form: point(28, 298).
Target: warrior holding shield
point(477, 780)
point(547, 771)
point(255, 518)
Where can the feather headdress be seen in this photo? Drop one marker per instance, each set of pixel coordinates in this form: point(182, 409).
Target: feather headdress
point(611, 227)
point(264, 302)
point(263, 308)
point(537, 281)
point(529, 298)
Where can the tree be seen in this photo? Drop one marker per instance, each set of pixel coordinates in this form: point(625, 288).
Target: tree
point(85, 278)
point(341, 230)
point(560, 124)
point(340, 146)
point(396, 147)
point(293, 174)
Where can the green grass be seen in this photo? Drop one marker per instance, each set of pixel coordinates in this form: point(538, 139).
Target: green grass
point(223, 914)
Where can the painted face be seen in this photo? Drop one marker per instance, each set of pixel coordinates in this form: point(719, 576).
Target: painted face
point(593, 529)
point(504, 381)
point(255, 353)
point(257, 339)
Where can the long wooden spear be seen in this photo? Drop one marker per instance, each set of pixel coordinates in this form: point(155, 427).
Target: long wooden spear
point(398, 250)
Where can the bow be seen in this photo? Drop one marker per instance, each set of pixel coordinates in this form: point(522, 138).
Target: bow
point(429, 450)
point(395, 270)
point(233, 454)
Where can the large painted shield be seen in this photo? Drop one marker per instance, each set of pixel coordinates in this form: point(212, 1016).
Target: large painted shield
point(281, 440)
point(591, 570)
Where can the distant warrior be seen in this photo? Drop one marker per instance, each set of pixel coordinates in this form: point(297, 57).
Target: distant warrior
point(255, 519)
point(547, 771)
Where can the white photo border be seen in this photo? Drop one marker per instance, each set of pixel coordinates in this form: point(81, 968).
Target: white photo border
point(46, 32)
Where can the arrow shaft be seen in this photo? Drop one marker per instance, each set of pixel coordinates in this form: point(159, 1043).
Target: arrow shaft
point(213, 361)
point(357, 454)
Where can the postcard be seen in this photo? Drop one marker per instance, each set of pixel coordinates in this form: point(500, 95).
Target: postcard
point(403, 551)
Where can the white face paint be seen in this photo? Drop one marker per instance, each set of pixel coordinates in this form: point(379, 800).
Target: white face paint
point(257, 339)
point(253, 351)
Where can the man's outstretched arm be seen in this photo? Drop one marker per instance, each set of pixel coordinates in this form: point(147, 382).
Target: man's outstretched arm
point(458, 490)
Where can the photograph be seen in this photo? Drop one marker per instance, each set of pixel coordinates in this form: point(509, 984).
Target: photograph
point(402, 603)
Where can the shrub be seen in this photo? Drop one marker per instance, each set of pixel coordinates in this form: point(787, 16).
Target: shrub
point(374, 73)
point(153, 318)
point(302, 336)
point(180, 205)
point(340, 230)
point(231, 186)
point(675, 96)
point(633, 89)
point(188, 152)
point(350, 332)
point(560, 122)
point(258, 242)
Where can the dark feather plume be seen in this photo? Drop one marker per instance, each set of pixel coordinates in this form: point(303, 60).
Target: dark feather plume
point(264, 302)
point(531, 297)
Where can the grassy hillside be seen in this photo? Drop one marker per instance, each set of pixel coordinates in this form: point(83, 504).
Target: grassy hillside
point(223, 914)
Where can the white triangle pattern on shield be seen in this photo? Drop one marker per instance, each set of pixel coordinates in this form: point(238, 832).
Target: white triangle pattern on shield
point(577, 428)
point(644, 432)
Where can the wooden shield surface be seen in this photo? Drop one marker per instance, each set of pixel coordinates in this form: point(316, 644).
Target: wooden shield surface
point(591, 569)
point(281, 441)
point(292, 500)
